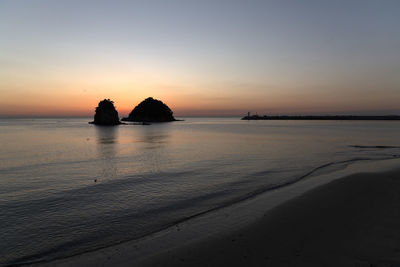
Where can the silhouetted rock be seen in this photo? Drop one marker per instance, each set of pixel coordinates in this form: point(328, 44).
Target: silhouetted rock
point(151, 110)
point(106, 113)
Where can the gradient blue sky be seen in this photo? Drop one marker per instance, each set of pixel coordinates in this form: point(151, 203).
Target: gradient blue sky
point(200, 57)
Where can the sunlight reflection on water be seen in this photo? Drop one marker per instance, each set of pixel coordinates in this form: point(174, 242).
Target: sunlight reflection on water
point(71, 186)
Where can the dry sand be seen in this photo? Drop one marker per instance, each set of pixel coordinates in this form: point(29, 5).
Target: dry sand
point(353, 221)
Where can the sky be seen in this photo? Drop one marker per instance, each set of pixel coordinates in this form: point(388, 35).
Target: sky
point(202, 58)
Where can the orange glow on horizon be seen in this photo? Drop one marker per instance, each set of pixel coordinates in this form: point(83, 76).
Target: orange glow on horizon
point(181, 106)
point(80, 94)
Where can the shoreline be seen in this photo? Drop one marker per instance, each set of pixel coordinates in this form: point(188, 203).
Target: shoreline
point(211, 226)
point(348, 222)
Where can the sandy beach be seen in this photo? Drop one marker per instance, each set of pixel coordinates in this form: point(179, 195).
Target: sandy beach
point(199, 133)
point(351, 221)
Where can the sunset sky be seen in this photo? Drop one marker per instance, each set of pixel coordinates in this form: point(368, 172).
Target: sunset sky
point(60, 58)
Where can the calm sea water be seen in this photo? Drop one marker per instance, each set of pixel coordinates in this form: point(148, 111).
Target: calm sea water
point(67, 187)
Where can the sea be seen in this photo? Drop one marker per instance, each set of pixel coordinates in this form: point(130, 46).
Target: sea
point(68, 187)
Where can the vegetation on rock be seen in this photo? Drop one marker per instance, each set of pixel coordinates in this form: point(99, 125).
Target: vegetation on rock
point(106, 114)
point(150, 110)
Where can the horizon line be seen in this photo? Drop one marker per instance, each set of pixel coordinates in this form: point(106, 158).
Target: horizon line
point(359, 113)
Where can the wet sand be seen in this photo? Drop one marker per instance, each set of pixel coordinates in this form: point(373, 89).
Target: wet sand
point(353, 221)
point(347, 219)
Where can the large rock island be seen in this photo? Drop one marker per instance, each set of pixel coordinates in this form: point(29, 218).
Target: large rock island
point(106, 114)
point(150, 110)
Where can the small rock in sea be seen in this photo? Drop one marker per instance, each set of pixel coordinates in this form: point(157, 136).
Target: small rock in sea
point(95, 180)
point(106, 114)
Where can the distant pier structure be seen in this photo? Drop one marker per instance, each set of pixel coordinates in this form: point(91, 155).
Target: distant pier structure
point(248, 117)
point(322, 117)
